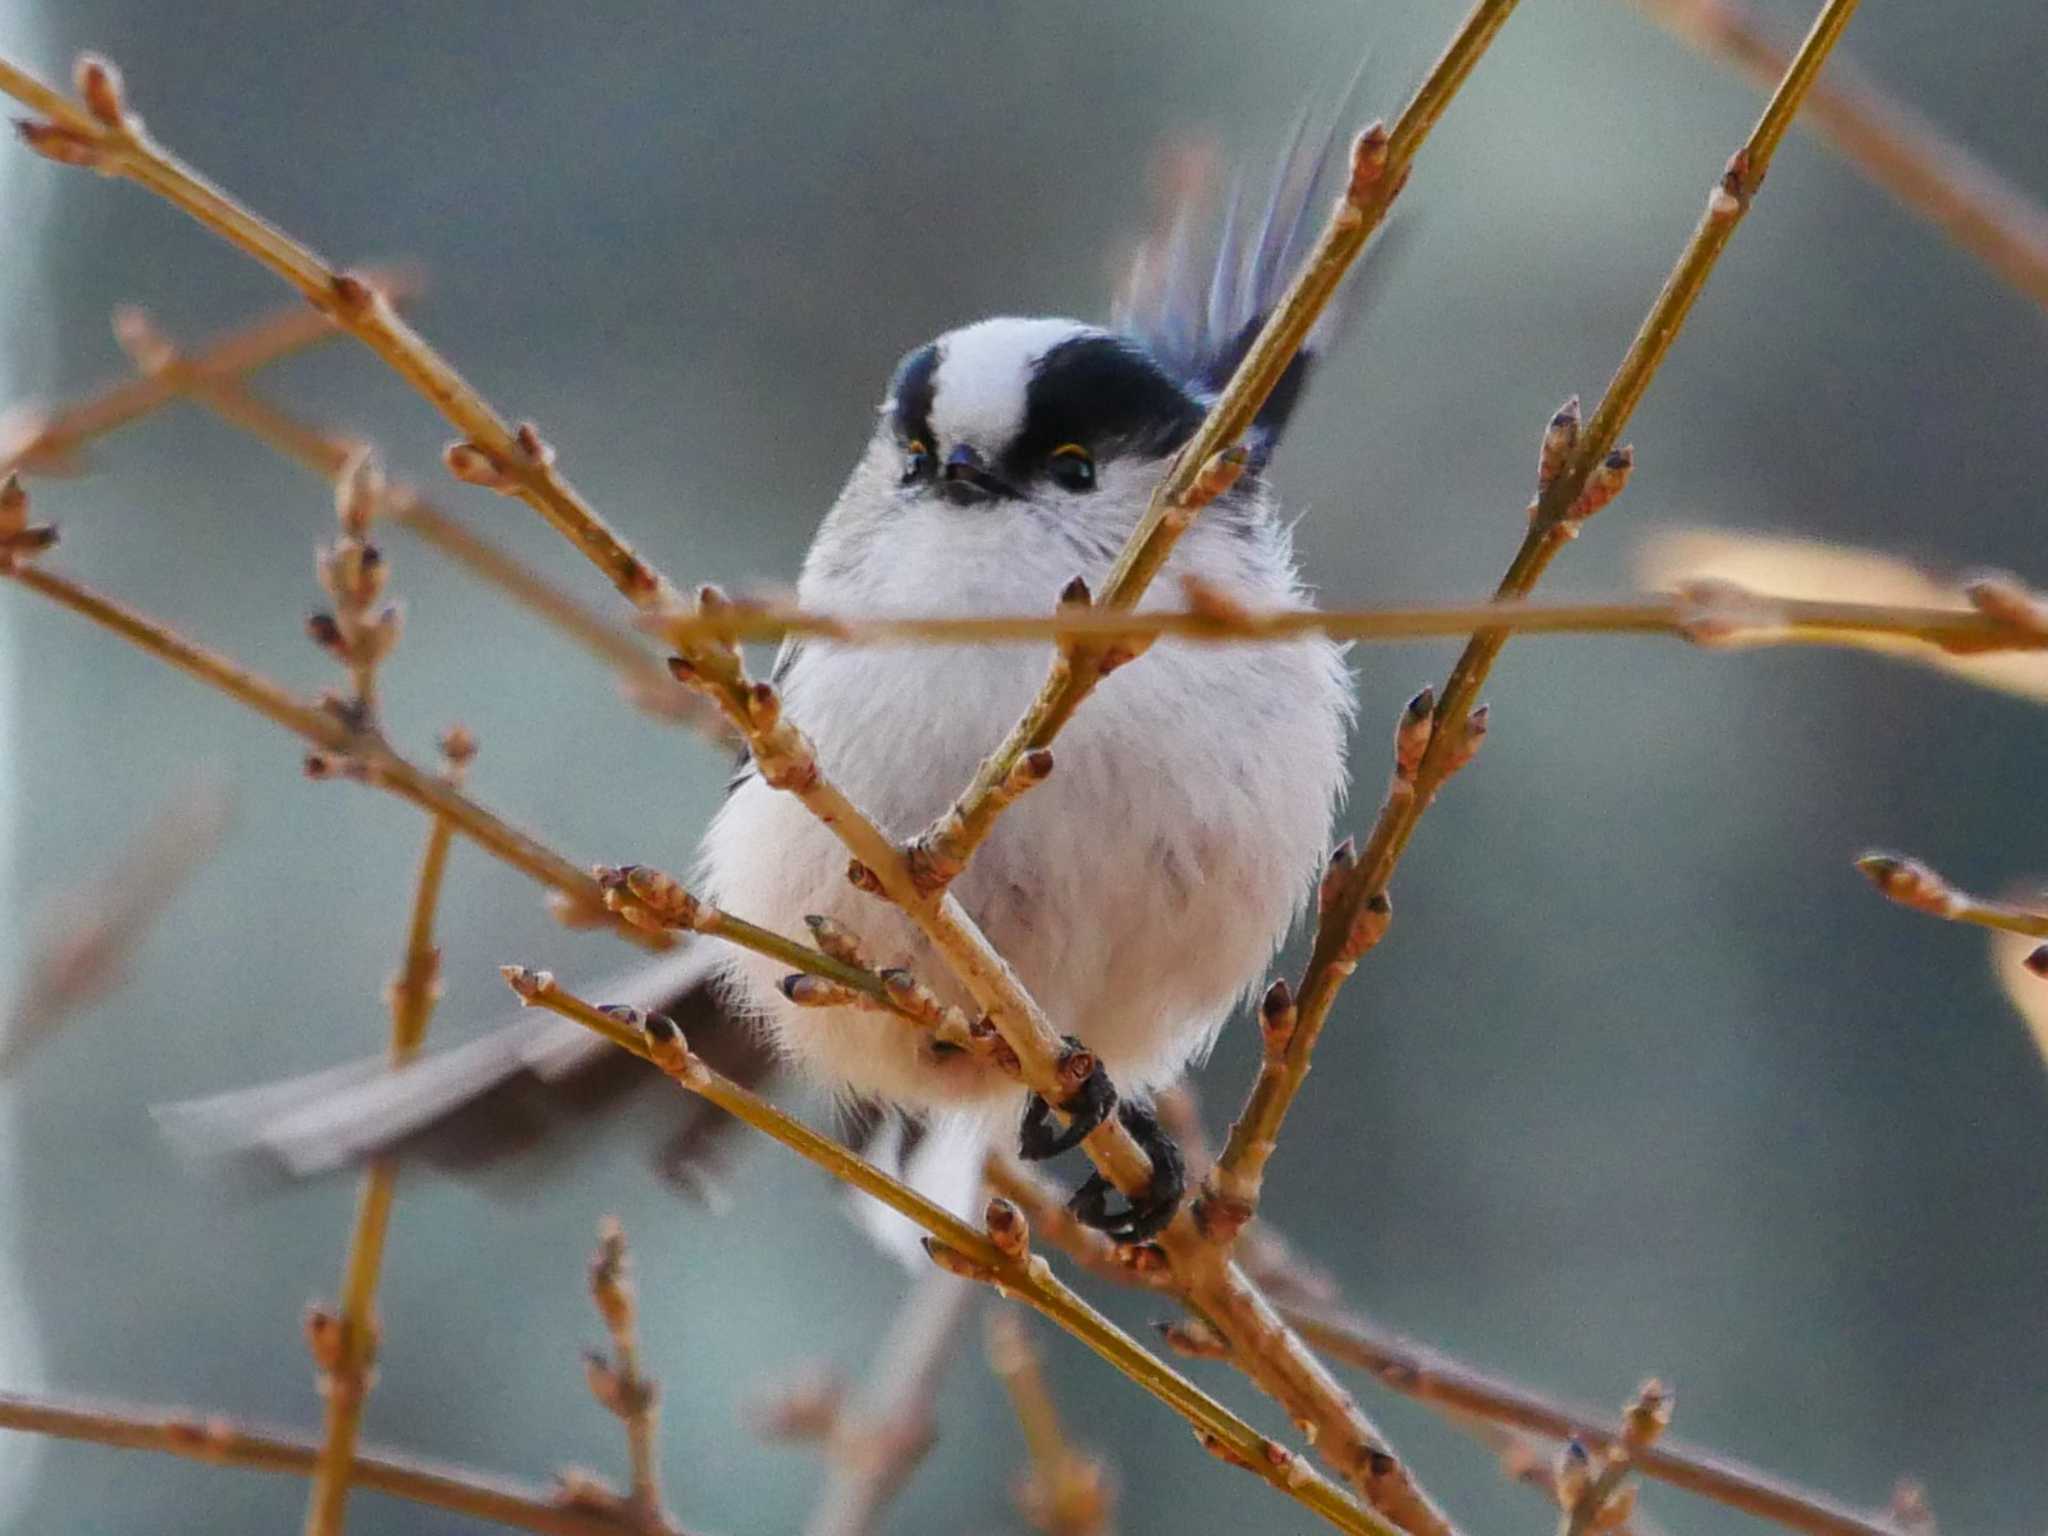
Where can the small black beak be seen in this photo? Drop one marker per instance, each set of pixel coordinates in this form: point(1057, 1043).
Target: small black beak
point(965, 481)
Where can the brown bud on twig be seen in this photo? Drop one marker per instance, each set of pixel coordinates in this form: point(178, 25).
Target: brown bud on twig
point(473, 465)
point(1368, 928)
point(1277, 1017)
point(99, 87)
point(1647, 1416)
point(2037, 962)
point(1470, 740)
point(538, 451)
point(2007, 599)
point(1007, 1229)
point(836, 939)
point(1572, 1473)
point(861, 878)
point(1222, 1450)
point(1195, 1339)
point(458, 747)
point(1219, 472)
point(326, 1338)
point(54, 141)
point(1368, 163)
point(1075, 594)
point(19, 538)
point(647, 898)
point(1908, 882)
point(1336, 875)
point(1602, 486)
point(358, 492)
point(1560, 439)
point(1412, 733)
point(325, 633)
point(530, 985)
point(808, 991)
point(954, 1262)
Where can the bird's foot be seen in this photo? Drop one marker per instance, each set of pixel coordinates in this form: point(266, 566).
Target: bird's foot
point(1148, 1214)
point(1085, 1108)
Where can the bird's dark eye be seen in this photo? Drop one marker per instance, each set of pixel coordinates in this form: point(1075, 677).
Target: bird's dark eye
point(917, 461)
point(1072, 467)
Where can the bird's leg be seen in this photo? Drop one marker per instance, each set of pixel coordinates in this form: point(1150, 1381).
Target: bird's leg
point(1086, 1106)
point(1148, 1214)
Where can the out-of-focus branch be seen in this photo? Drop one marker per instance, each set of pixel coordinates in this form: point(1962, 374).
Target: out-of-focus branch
point(619, 1384)
point(39, 441)
point(1066, 1491)
point(92, 932)
point(99, 131)
point(1579, 471)
point(873, 1448)
point(1000, 1255)
point(221, 1442)
point(1896, 147)
point(1432, 1377)
point(328, 454)
point(344, 1341)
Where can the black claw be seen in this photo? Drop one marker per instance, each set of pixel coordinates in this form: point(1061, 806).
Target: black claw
point(1147, 1216)
point(1089, 1105)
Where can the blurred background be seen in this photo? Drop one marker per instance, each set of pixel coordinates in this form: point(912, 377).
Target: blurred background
point(1645, 1079)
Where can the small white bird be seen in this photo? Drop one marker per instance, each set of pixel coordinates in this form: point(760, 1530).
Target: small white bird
point(1140, 893)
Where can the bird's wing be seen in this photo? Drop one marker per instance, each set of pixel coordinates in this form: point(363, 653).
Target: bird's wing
point(1198, 316)
point(472, 1103)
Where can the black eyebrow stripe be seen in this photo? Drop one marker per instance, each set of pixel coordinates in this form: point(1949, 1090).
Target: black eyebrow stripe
point(916, 379)
point(1105, 393)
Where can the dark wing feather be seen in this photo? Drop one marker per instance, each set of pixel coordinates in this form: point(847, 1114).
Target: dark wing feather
point(1199, 326)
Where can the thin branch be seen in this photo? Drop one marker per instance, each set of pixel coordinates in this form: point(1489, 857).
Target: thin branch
point(49, 442)
point(1066, 1492)
point(1432, 1377)
point(1579, 471)
point(1893, 145)
point(999, 1256)
point(220, 1442)
point(874, 1448)
point(1713, 614)
point(619, 1384)
point(1912, 884)
point(344, 1342)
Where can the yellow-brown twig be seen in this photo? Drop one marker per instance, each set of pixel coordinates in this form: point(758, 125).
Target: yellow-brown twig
point(999, 1256)
point(1579, 471)
point(344, 1342)
point(1889, 142)
point(619, 1384)
point(220, 1442)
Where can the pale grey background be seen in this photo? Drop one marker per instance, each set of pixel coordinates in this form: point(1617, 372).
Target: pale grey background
point(1644, 1078)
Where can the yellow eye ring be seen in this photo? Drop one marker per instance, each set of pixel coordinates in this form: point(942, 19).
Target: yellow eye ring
point(1072, 466)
